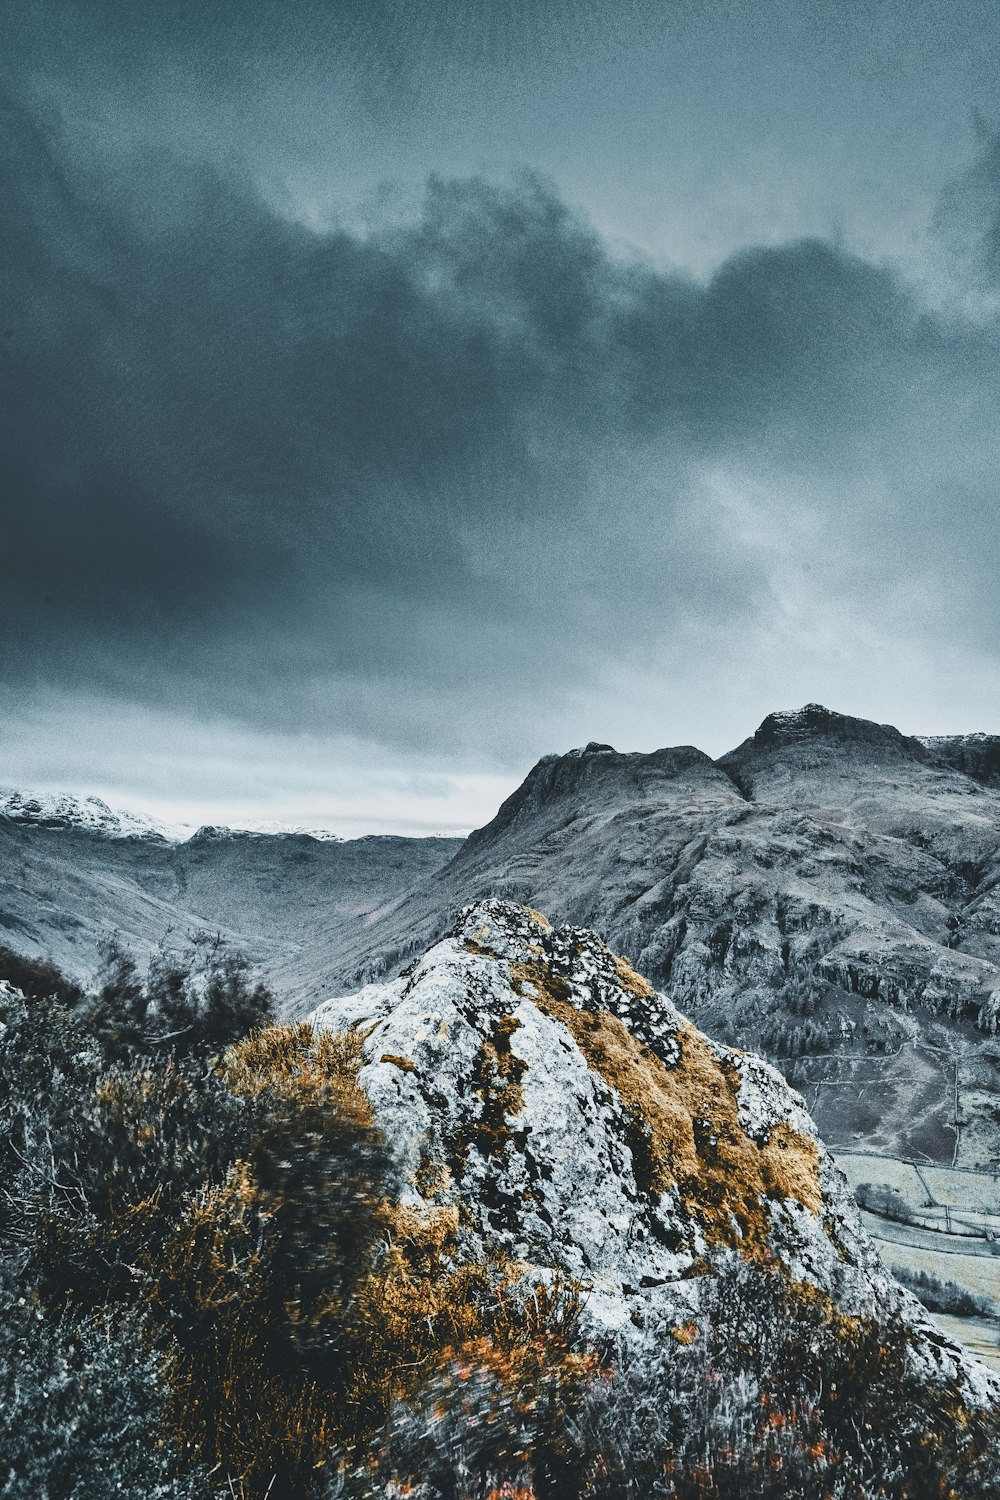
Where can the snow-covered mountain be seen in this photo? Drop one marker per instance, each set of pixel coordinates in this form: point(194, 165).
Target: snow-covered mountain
point(74, 873)
point(91, 814)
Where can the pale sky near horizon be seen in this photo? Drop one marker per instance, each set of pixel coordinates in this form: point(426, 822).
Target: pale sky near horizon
point(391, 394)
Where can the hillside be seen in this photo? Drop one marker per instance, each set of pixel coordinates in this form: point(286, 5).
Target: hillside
point(826, 892)
point(73, 874)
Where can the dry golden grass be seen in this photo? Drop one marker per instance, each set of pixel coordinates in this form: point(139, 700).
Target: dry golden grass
point(293, 1056)
point(418, 1302)
point(242, 1399)
point(402, 1063)
point(687, 1134)
point(630, 980)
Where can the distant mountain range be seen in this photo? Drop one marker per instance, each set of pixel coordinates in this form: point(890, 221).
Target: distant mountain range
point(62, 810)
point(73, 873)
point(828, 892)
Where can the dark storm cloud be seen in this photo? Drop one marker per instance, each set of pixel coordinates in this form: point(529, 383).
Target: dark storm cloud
point(326, 477)
point(968, 217)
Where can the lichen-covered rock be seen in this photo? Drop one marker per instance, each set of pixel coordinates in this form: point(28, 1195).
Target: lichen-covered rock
point(585, 1128)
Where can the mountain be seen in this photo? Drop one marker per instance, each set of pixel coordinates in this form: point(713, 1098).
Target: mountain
point(527, 1078)
point(73, 873)
point(826, 892)
point(58, 810)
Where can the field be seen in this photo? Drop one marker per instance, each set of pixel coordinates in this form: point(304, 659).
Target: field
point(952, 1233)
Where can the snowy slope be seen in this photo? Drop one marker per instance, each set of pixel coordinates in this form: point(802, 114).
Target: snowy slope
point(90, 814)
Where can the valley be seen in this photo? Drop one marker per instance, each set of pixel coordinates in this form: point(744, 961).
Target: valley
point(937, 1222)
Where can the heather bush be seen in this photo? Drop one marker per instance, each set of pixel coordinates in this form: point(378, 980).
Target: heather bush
point(258, 1282)
point(83, 1410)
point(766, 1392)
point(498, 1417)
point(99, 1153)
point(772, 1393)
point(142, 1142)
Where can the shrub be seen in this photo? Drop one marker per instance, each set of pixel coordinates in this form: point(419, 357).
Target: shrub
point(198, 1000)
point(496, 1421)
point(885, 1201)
point(46, 1076)
point(420, 1299)
point(37, 978)
point(142, 1140)
point(259, 1280)
point(83, 1409)
point(773, 1393)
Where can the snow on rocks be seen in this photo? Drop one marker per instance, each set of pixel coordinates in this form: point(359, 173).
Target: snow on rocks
point(59, 810)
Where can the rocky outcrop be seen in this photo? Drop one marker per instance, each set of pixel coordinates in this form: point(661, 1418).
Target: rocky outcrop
point(529, 1078)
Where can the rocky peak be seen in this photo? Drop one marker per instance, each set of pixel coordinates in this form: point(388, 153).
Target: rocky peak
point(814, 723)
point(816, 739)
point(598, 776)
point(528, 1079)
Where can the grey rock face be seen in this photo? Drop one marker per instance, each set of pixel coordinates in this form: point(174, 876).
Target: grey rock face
point(578, 1121)
point(978, 755)
point(828, 892)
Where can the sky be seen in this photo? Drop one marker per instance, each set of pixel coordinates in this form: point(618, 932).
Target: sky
point(391, 394)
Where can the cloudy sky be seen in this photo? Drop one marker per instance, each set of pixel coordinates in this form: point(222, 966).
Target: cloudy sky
point(392, 391)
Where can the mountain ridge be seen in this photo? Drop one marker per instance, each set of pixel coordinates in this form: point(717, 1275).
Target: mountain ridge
point(828, 888)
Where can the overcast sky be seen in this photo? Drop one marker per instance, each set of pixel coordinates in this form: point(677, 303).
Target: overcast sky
point(393, 392)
